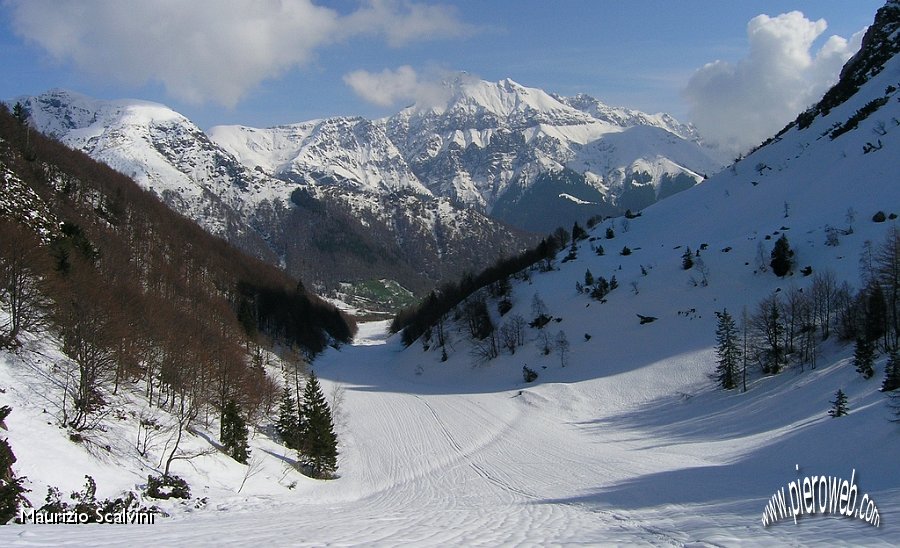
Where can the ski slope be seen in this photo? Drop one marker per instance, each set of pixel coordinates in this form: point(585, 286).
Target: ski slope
point(489, 460)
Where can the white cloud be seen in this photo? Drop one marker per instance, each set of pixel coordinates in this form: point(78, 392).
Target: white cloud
point(404, 85)
point(212, 50)
point(738, 105)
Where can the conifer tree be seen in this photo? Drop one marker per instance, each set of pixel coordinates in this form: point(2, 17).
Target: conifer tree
point(11, 488)
point(782, 257)
point(288, 425)
point(864, 357)
point(839, 406)
point(728, 351)
point(891, 373)
point(234, 433)
point(578, 233)
point(318, 442)
point(687, 259)
point(588, 278)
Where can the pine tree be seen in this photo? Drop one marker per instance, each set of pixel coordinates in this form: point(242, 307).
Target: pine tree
point(578, 233)
point(782, 257)
point(687, 259)
point(318, 442)
point(234, 433)
point(876, 319)
point(839, 405)
point(588, 278)
point(11, 488)
point(288, 424)
point(728, 351)
point(864, 357)
point(891, 373)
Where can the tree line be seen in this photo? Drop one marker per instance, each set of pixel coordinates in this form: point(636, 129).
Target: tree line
point(415, 320)
point(788, 327)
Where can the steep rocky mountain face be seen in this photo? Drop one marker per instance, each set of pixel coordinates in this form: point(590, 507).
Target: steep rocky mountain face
point(538, 161)
point(517, 154)
point(418, 197)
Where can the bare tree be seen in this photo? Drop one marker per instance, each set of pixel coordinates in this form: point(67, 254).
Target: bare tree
point(544, 342)
point(90, 330)
point(148, 432)
point(887, 269)
point(184, 413)
point(508, 338)
point(762, 260)
point(486, 349)
point(824, 294)
point(768, 326)
point(562, 348)
point(22, 264)
point(517, 323)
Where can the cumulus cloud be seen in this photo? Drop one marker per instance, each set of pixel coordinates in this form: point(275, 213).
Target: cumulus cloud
point(738, 105)
point(210, 50)
point(404, 85)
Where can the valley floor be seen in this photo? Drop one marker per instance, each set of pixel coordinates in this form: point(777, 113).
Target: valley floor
point(483, 461)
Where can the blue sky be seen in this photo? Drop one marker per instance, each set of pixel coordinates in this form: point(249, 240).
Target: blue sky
point(639, 53)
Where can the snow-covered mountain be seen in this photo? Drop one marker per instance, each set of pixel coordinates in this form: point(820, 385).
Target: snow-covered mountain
point(498, 147)
point(492, 152)
point(359, 216)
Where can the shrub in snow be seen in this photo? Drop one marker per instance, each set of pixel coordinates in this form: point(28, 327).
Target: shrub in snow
point(167, 487)
point(85, 502)
point(529, 374)
point(879, 217)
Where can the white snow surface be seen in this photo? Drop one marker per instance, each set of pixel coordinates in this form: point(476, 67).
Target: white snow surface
point(631, 443)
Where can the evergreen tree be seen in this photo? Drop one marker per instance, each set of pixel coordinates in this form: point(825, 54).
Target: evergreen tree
point(11, 488)
point(610, 233)
point(774, 329)
point(288, 425)
point(234, 433)
point(891, 373)
point(20, 113)
point(578, 233)
point(782, 257)
point(839, 405)
point(687, 259)
point(864, 357)
point(318, 442)
point(876, 319)
point(588, 278)
point(728, 351)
